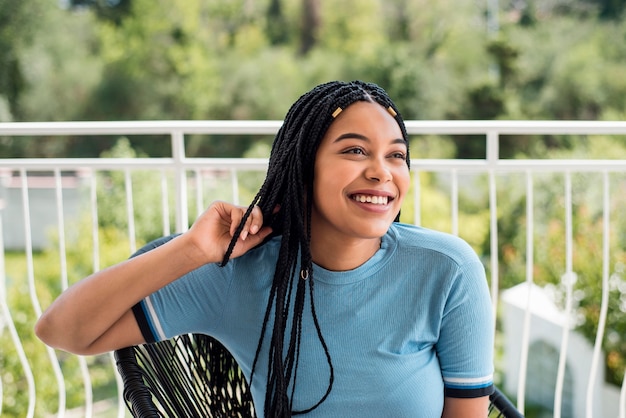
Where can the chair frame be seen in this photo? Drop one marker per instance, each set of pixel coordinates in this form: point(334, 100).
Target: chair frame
point(187, 376)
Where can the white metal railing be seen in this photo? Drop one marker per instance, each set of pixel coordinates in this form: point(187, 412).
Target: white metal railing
point(176, 175)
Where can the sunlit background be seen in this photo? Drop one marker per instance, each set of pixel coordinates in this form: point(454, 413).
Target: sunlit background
point(106, 60)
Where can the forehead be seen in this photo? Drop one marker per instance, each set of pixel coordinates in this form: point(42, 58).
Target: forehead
point(365, 118)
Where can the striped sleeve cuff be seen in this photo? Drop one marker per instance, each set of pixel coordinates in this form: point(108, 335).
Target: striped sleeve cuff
point(456, 387)
point(144, 323)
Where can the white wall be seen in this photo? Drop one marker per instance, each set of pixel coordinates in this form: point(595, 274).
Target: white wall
point(42, 209)
point(546, 325)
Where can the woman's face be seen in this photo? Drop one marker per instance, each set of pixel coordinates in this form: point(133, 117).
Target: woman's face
point(361, 174)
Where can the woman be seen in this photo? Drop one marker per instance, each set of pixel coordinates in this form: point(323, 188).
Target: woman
point(329, 306)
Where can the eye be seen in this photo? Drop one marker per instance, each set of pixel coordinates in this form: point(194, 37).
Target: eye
point(355, 150)
point(399, 154)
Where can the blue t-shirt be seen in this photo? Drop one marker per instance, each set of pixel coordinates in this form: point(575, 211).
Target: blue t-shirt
point(411, 324)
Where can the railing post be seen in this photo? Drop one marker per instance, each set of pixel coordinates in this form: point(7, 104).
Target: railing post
point(180, 180)
point(568, 279)
point(493, 244)
point(530, 228)
point(493, 142)
point(593, 384)
point(493, 147)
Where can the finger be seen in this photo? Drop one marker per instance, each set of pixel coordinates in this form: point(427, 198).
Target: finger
point(236, 215)
point(253, 240)
point(256, 220)
point(253, 223)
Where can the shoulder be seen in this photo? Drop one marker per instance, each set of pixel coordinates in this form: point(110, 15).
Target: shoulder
point(414, 239)
point(260, 260)
point(264, 250)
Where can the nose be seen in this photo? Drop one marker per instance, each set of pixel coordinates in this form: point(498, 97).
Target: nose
point(378, 171)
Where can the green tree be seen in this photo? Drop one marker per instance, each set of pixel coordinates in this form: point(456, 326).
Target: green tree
point(276, 23)
point(311, 22)
point(46, 60)
point(157, 64)
point(109, 10)
point(610, 9)
point(19, 23)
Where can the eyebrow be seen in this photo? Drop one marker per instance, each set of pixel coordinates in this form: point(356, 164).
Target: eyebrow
point(352, 135)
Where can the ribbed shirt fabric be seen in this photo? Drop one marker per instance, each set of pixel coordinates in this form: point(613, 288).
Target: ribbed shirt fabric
point(412, 324)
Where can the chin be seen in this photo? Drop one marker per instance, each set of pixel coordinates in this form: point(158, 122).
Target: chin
point(375, 231)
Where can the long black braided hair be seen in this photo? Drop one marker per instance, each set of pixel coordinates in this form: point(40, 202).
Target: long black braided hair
point(289, 186)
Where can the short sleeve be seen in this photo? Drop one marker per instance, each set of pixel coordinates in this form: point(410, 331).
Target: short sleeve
point(192, 303)
point(465, 345)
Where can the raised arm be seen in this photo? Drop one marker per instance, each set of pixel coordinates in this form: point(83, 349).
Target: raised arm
point(94, 315)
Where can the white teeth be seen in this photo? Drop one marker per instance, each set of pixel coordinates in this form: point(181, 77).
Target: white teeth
point(376, 200)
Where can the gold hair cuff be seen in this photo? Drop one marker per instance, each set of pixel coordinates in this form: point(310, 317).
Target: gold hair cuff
point(392, 112)
point(337, 112)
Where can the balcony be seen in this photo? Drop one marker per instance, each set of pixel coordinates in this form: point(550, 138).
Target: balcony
point(61, 219)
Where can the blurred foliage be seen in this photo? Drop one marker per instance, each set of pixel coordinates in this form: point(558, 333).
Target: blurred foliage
point(144, 60)
point(143, 185)
point(108, 10)
point(242, 59)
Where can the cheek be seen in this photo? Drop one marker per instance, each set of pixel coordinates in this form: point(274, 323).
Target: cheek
point(328, 183)
point(403, 180)
point(332, 176)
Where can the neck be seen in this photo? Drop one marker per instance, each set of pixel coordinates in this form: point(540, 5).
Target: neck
point(342, 255)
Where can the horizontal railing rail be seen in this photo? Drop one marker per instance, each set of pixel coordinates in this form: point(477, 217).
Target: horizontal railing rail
point(185, 181)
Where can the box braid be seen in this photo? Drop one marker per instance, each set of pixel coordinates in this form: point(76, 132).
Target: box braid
point(288, 186)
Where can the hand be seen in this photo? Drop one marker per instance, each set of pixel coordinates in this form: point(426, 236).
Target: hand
point(212, 232)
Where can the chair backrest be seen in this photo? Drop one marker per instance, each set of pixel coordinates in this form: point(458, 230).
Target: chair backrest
point(187, 376)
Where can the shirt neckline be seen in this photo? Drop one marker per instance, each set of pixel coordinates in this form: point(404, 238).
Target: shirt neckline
point(371, 266)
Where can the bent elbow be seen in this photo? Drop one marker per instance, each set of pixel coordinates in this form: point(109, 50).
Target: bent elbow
point(50, 334)
point(55, 336)
point(42, 330)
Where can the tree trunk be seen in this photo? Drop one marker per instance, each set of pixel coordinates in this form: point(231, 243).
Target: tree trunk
point(276, 27)
point(310, 25)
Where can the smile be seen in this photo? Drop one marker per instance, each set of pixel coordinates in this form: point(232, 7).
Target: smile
point(375, 200)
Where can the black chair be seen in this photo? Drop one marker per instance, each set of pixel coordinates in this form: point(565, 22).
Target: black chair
point(186, 376)
point(195, 376)
point(501, 407)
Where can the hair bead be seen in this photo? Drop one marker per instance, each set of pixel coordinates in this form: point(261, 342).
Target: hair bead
point(337, 112)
